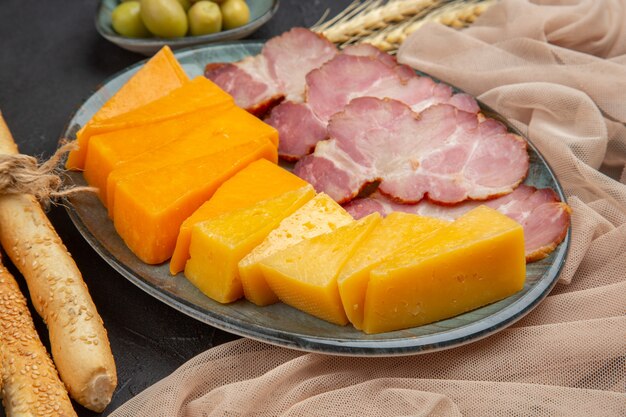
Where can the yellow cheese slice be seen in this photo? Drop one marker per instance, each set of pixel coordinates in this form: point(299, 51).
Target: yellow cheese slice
point(395, 232)
point(258, 181)
point(304, 276)
point(320, 215)
point(476, 260)
point(218, 244)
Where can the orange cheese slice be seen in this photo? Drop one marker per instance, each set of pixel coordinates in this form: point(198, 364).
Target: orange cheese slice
point(476, 260)
point(258, 181)
point(106, 150)
point(222, 130)
point(151, 206)
point(156, 78)
point(304, 276)
point(320, 215)
point(395, 232)
point(117, 154)
point(218, 244)
point(197, 94)
point(193, 96)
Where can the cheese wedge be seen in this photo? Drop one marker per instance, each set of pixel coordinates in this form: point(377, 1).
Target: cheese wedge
point(258, 181)
point(162, 70)
point(320, 215)
point(218, 244)
point(107, 150)
point(304, 276)
point(201, 133)
point(161, 117)
point(395, 232)
point(476, 260)
point(151, 206)
point(197, 94)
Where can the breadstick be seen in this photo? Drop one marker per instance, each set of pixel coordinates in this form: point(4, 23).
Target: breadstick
point(30, 383)
point(79, 343)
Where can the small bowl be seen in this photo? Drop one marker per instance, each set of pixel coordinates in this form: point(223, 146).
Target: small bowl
point(261, 11)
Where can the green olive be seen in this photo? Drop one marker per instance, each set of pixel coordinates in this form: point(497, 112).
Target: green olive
point(164, 18)
point(185, 3)
point(126, 20)
point(204, 18)
point(235, 13)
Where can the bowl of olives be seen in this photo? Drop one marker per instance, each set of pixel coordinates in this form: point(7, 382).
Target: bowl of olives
point(145, 26)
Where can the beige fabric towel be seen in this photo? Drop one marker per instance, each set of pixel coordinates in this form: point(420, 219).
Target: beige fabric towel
point(557, 69)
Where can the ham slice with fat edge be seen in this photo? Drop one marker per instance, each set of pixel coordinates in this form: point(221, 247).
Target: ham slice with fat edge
point(543, 216)
point(361, 71)
point(259, 82)
point(442, 153)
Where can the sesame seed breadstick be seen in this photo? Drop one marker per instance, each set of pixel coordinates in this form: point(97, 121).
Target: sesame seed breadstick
point(79, 343)
point(30, 383)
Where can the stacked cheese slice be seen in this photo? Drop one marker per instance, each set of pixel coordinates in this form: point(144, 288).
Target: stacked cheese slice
point(162, 70)
point(160, 148)
point(379, 274)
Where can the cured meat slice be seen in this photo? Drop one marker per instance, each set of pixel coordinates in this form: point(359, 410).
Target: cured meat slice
point(543, 216)
point(292, 55)
point(443, 153)
point(365, 49)
point(299, 129)
point(359, 72)
point(261, 81)
point(346, 77)
point(248, 82)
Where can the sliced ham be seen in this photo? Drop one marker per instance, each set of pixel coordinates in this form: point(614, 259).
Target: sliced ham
point(543, 216)
point(346, 77)
point(278, 72)
point(247, 81)
point(299, 129)
point(292, 55)
point(361, 71)
point(442, 153)
point(365, 49)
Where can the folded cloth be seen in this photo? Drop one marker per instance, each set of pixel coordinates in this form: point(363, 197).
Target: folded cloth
point(568, 102)
point(557, 70)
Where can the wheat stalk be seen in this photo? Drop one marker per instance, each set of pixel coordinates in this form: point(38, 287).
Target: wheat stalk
point(387, 24)
point(361, 19)
point(457, 15)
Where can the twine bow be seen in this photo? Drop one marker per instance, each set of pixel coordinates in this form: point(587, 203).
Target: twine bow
point(23, 174)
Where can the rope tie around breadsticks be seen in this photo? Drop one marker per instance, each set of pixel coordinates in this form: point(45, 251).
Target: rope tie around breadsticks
point(24, 174)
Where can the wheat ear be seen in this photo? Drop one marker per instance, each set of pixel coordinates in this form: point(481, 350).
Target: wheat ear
point(364, 18)
point(387, 24)
point(457, 15)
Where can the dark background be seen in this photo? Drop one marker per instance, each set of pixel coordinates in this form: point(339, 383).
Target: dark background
point(51, 59)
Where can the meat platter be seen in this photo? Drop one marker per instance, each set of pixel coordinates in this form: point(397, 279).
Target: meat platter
point(280, 324)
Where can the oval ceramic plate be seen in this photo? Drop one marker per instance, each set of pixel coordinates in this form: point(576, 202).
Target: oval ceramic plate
point(279, 324)
point(260, 12)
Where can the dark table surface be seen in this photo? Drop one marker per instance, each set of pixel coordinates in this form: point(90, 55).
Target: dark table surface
point(51, 59)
